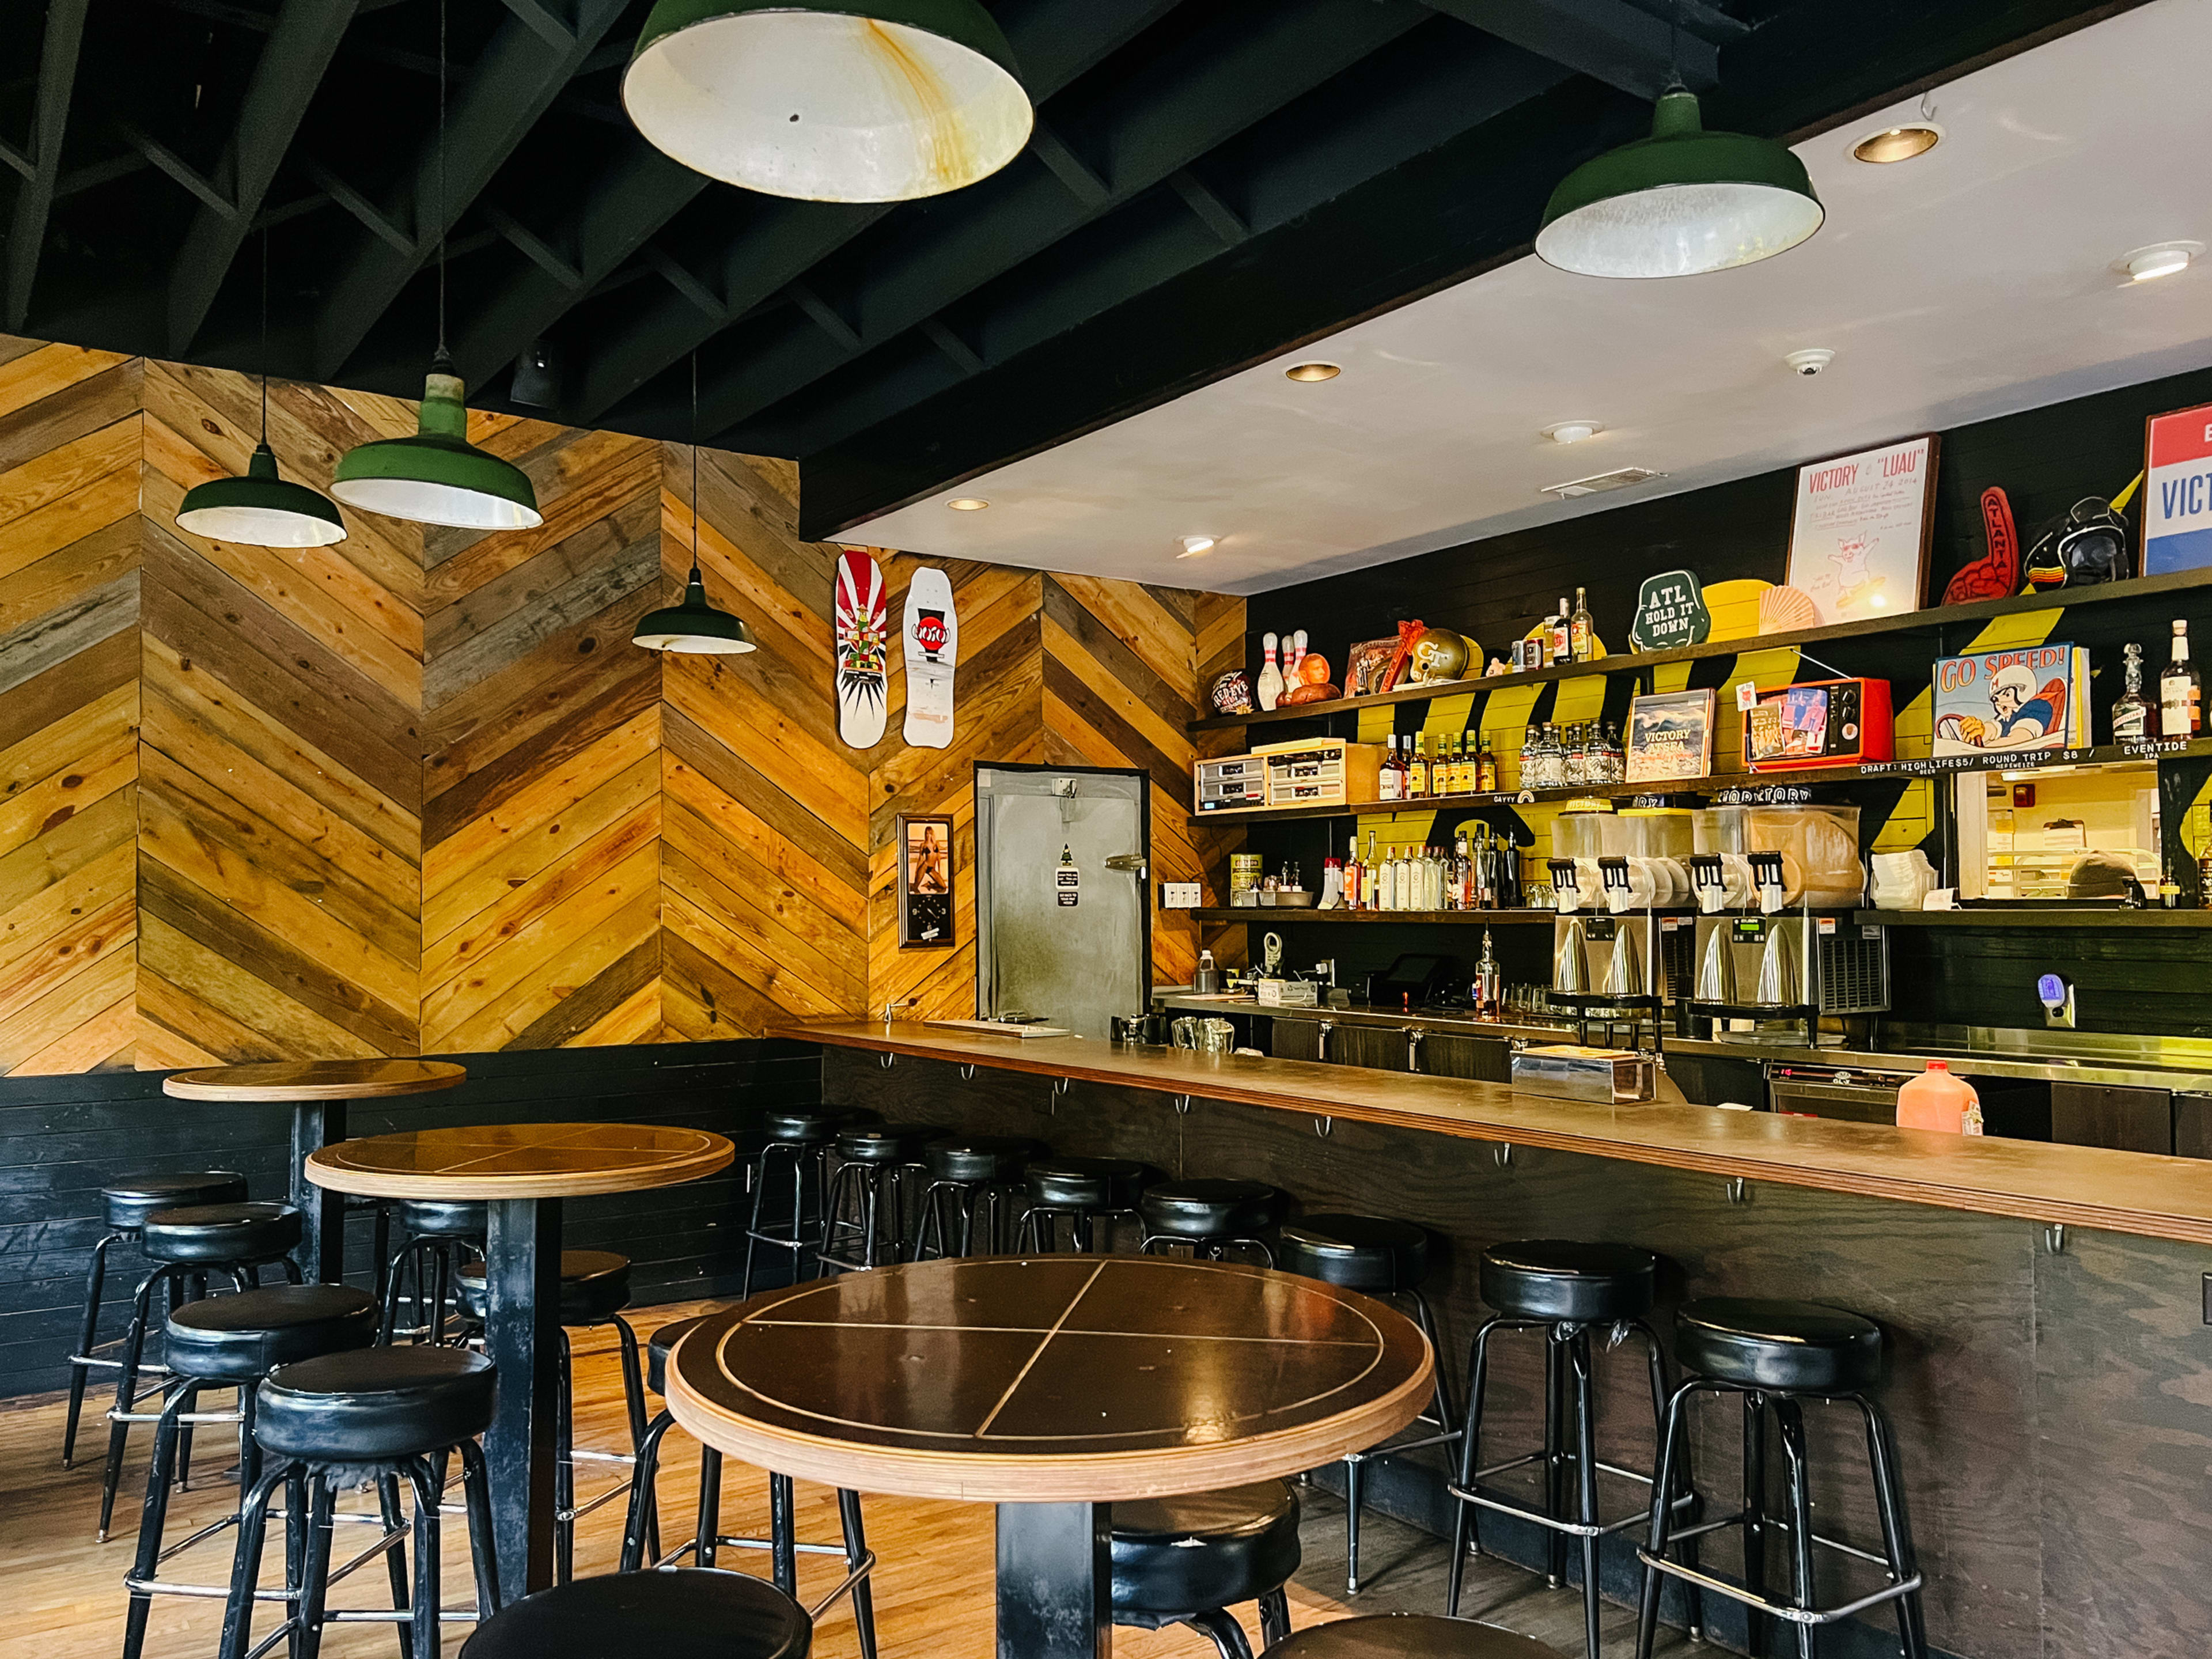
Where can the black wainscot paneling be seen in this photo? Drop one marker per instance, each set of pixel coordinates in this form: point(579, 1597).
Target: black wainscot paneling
point(61, 1138)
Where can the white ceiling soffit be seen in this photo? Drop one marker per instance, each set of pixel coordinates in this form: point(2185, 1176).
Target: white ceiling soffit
point(1971, 282)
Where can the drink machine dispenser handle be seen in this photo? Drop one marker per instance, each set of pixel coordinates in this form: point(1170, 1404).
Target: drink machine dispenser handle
point(1567, 886)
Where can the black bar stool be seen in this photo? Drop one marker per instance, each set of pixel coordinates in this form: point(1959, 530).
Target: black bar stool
point(233, 1342)
point(1566, 1290)
point(1186, 1560)
point(444, 1235)
point(187, 1245)
point(864, 1218)
point(798, 1143)
point(1383, 1258)
point(1775, 1354)
point(692, 1614)
point(127, 1203)
point(970, 1179)
point(1409, 1636)
point(1211, 1217)
point(594, 1290)
point(333, 1421)
point(1086, 1193)
point(641, 1534)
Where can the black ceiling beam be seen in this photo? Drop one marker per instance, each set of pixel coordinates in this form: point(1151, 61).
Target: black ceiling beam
point(1609, 40)
point(1192, 104)
point(777, 241)
point(290, 67)
point(509, 86)
point(1338, 144)
point(34, 195)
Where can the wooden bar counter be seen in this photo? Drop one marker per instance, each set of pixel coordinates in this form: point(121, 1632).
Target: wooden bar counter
point(2051, 1387)
point(2137, 1192)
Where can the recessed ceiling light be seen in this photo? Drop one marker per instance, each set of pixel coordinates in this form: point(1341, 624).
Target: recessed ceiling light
point(1194, 546)
point(1312, 372)
point(1898, 143)
point(1572, 432)
point(2147, 264)
point(966, 503)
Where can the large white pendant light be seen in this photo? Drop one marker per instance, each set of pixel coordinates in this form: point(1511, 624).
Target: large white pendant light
point(261, 510)
point(873, 100)
point(1679, 203)
point(692, 626)
point(438, 476)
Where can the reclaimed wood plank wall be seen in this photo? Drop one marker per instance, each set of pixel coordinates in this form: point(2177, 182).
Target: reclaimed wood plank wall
point(416, 792)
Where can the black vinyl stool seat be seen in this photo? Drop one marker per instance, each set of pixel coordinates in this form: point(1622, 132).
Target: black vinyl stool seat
point(594, 1290)
point(1383, 1258)
point(1186, 1560)
point(125, 1203)
point(1570, 1290)
point(1775, 1355)
point(864, 1218)
point(444, 1235)
point(185, 1245)
point(1212, 1217)
point(330, 1423)
point(692, 1614)
point(796, 1143)
point(1409, 1636)
point(234, 1341)
point(1087, 1193)
point(972, 1179)
point(642, 1531)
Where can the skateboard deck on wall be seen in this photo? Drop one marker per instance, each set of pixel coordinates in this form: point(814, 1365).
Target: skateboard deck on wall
point(864, 647)
point(933, 645)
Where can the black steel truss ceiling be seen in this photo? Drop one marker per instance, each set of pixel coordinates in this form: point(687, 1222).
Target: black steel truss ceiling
point(1210, 182)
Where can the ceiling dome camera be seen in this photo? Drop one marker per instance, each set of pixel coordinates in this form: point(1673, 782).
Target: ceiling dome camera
point(1809, 362)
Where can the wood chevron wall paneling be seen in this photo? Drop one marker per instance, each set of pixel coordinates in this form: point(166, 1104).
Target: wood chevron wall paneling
point(542, 813)
point(418, 793)
point(70, 445)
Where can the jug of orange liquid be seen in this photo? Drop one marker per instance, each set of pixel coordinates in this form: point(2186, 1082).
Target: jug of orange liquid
point(1938, 1100)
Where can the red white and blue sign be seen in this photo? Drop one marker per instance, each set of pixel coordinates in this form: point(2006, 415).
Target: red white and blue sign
point(2177, 492)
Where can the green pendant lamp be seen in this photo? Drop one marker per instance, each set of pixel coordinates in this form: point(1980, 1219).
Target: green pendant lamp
point(261, 510)
point(694, 627)
point(1681, 203)
point(829, 100)
point(438, 476)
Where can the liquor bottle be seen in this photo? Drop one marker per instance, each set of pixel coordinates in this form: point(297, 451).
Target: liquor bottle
point(1416, 773)
point(2131, 710)
point(1351, 873)
point(1485, 987)
point(1463, 771)
point(1562, 634)
point(1582, 634)
point(1270, 686)
point(1576, 772)
point(1389, 783)
point(1528, 777)
point(1485, 768)
point(1371, 879)
point(2180, 692)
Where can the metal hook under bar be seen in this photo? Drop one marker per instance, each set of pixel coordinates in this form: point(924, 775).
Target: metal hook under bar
point(1502, 1154)
point(968, 1073)
point(1324, 1127)
point(2054, 1238)
point(1738, 1192)
point(1182, 1105)
point(1052, 1096)
point(884, 1060)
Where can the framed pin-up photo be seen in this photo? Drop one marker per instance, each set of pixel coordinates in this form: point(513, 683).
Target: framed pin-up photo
point(925, 882)
point(1859, 530)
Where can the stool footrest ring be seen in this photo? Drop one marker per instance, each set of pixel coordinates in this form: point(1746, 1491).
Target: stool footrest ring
point(1794, 1615)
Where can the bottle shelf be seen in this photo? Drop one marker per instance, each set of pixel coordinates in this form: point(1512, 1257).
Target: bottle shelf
point(1928, 620)
point(1275, 915)
point(2031, 916)
point(2099, 755)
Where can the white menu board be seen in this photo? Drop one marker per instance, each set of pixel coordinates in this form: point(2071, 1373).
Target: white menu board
point(1859, 530)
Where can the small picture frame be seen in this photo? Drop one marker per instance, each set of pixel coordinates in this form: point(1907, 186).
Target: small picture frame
point(1670, 736)
point(1859, 530)
point(1365, 664)
point(925, 881)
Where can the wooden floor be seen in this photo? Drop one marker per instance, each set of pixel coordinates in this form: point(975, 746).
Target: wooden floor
point(64, 1598)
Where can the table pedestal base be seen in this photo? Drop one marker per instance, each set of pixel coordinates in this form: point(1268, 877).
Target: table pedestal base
point(321, 1253)
point(1055, 1582)
point(522, 1335)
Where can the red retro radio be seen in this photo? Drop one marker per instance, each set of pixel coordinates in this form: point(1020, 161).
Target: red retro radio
point(1818, 723)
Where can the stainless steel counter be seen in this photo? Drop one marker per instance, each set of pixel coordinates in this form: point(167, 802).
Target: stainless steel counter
point(2180, 1064)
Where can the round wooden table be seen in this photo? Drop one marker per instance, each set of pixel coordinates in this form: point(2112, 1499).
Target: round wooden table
point(522, 1172)
point(1051, 1385)
point(318, 1091)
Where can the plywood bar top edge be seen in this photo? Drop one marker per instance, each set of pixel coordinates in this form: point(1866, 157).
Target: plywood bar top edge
point(2142, 1194)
